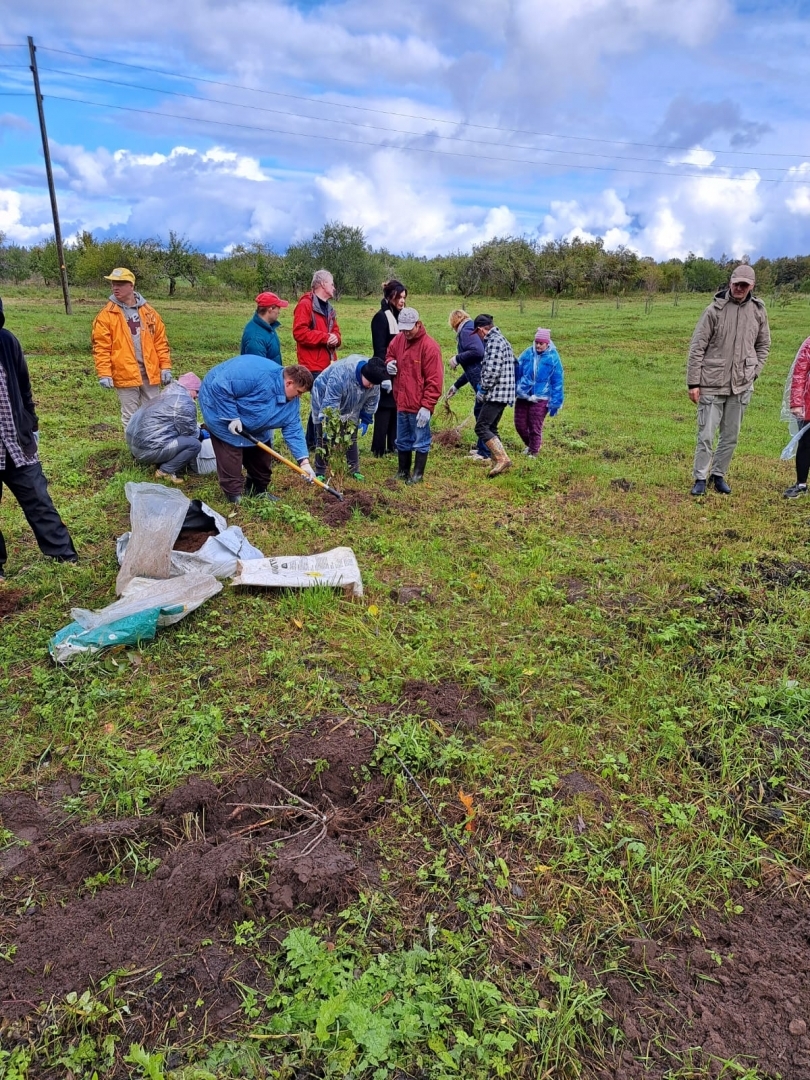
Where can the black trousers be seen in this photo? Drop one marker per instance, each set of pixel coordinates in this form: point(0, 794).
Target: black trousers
point(486, 426)
point(29, 487)
point(384, 436)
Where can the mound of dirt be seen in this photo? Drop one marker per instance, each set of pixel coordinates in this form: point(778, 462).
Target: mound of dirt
point(773, 572)
point(449, 437)
point(729, 989)
point(11, 600)
point(333, 512)
point(577, 783)
point(446, 702)
point(75, 908)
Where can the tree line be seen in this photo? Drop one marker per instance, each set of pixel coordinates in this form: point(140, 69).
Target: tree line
point(509, 266)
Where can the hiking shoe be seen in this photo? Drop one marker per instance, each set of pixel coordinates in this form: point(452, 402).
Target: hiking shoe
point(161, 475)
point(719, 484)
point(795, 491)
point(475, 456)
point(234, 499)
point(698, 488)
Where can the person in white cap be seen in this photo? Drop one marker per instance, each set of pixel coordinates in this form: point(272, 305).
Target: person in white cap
point(129, 343)
point(165, 432)
point(729, 347)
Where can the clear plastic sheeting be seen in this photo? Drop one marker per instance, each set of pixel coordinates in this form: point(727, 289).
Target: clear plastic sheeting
point(336, 568)
point(157, 514)
point(145, 606)
point(218, 555)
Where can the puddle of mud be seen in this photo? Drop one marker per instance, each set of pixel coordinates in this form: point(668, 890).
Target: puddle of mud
point(740, 991)
point(208, 841)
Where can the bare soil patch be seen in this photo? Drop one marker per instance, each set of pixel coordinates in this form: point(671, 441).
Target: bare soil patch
point(446, 702)
point(773, 573)
point(104, 464)
point(733, 988)
point(11, 600)
point(291, 838)
point(449, 437)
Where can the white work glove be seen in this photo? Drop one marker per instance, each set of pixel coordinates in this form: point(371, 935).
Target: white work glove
point(452, 392)
point(386, 385)
point(422, 417)
point(106, 382)
point(235, 426)
point(391, 367)
point(309, 472)
point(454, 362)
point(166, 376)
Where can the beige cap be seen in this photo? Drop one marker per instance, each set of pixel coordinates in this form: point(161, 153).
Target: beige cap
point(744, 272)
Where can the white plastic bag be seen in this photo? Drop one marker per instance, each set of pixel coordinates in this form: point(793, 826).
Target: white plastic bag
point(157, 514)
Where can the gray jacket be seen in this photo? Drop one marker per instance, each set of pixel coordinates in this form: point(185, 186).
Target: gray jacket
point(730, 345)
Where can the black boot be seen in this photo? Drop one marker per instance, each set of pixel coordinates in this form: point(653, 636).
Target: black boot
point(404, 465)
point(719, 484)
point(419, 468)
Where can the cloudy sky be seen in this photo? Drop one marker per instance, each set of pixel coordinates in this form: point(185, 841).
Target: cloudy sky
point(669, 127)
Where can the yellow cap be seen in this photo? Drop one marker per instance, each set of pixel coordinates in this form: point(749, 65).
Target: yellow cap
point(120, 273)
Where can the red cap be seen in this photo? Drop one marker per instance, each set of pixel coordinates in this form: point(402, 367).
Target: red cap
point(269, 299)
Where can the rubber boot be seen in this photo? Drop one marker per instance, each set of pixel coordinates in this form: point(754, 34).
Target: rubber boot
point(499, 456)
point(419, 468)
point(404, 465)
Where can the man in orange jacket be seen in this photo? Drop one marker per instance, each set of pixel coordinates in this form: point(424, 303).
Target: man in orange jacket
point(316, 332)
point(129, 343)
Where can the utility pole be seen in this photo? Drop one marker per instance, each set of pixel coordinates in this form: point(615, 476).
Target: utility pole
point(60, 251)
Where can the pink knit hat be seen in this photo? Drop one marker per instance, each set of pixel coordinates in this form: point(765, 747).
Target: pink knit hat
point(542, 335)
point(189, 381)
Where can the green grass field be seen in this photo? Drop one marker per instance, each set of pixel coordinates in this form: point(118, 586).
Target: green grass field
point(639, 658)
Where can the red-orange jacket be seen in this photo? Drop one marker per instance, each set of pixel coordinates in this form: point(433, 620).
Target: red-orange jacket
point(310, 331)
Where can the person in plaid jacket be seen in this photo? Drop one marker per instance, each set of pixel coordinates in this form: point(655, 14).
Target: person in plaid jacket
point(496, 389)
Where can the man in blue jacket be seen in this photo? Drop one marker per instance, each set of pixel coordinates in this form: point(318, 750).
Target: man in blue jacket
point(260, 336)
point(254, 394)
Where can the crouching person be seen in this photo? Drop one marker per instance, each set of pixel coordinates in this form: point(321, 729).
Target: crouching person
point(20, 468)
point(352, 388)
point(415, 362)
point(165, 432)
point(255, 395)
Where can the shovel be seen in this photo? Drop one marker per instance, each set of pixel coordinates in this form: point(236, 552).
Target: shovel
point(290, 464)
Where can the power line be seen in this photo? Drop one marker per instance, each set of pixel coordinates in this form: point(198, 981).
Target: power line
point(367, 127)
point(410, 116)
point(416, 149)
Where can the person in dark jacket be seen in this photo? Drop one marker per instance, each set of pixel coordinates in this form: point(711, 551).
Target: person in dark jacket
point(469, 354)
point(260, 336)
point(20, 468)
point(384, 329)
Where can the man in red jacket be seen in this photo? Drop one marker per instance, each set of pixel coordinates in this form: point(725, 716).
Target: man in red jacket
point(415, 361)
point(316, 332)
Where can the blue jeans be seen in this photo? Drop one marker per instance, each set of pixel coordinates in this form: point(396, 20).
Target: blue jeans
point(182, 451)
point(411, 437)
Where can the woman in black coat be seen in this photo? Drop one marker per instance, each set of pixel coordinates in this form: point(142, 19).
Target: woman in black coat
point(383, 331)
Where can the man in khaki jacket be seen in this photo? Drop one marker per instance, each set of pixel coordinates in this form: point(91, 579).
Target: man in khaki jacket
point(729, 348)
point(130, 349)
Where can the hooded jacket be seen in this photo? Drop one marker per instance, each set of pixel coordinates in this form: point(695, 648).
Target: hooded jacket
point(18, 383)
point(114, 352)
point(340, 387)
point(539, 377)
point(158, 423)
point(252, 389)
point(419, 379)
point(260, 338)
point(730, 345)
point(800, 380)
point(469, 353)
point(310, 331)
